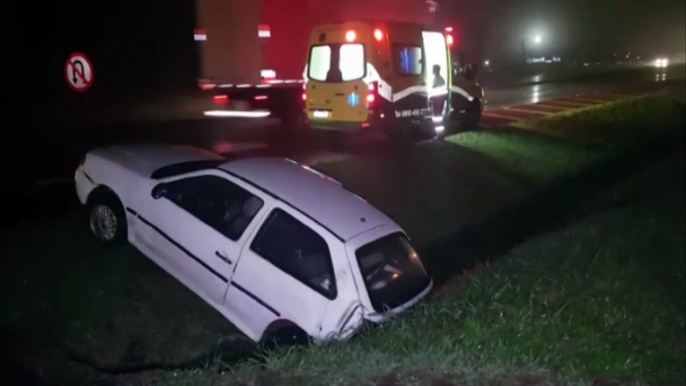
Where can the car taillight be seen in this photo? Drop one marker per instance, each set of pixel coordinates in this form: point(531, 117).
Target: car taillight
point(221, 99)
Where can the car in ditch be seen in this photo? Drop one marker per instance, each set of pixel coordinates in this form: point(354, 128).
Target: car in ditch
point(282, 251)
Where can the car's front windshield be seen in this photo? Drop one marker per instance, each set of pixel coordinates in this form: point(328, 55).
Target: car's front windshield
point(392, 271)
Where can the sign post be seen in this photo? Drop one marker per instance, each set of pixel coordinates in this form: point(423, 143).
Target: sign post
point(79, 72)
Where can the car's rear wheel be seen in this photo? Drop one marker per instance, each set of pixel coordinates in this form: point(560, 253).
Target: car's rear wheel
point(107, 219)
point(286, 337)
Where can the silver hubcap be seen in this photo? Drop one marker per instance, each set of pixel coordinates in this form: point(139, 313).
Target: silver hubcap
point(103, 222)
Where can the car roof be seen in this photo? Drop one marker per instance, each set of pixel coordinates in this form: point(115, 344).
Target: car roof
point(316, 195)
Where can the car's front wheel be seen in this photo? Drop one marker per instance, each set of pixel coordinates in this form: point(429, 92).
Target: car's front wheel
point(107, 219)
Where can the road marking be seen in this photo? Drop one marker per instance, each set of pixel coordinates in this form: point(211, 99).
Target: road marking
point(547, 106)
point(576, 104)
point(620, 95)
point(498, 116)
point(595, 101)
point(520, 110)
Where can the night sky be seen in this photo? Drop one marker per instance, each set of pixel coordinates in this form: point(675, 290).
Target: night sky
point(576, 27)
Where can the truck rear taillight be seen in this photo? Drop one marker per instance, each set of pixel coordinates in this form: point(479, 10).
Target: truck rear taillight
point(372, 94)
point(378, 34)
point(221, 99)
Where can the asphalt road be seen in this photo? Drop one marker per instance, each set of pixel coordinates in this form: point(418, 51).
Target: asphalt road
point(534, 93)
point(58, 150)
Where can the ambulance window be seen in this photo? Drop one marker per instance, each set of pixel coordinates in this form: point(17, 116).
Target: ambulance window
point(351, 62)
point(320, 62)
point(408, 60)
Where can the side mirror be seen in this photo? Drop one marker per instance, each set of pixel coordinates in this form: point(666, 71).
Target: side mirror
point(160, 190)
point(470, 71)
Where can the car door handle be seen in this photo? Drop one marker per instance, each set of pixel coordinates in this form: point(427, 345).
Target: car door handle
point(223, 256)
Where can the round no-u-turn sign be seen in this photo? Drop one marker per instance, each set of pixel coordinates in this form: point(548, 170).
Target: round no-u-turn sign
point(79, 72)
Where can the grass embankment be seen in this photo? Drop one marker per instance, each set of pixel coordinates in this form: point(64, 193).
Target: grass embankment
point(596, 297)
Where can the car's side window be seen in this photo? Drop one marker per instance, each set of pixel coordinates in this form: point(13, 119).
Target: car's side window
point(297, 250)
point(217, 202)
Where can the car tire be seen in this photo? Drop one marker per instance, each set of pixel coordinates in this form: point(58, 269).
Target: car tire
point(286, 337)
point(107, 219)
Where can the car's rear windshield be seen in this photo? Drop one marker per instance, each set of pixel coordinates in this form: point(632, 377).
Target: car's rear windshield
point(392, 271)
point(336, 63)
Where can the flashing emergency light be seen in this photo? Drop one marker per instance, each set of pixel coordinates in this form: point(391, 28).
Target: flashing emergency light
point(350, 36)
point(450, 40)
point(378, 34)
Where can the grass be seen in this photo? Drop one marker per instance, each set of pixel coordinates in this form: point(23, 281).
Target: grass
point(540, 159)
point(599, 297)
point(613, 127)
point(568, 142)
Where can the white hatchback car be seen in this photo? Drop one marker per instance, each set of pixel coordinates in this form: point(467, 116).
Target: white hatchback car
point(280, 250)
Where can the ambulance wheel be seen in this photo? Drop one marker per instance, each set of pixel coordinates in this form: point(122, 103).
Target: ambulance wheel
point(471, 118)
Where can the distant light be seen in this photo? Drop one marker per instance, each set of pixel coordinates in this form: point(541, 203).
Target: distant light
point(487, 63)
point(538, 39)
point(236, 113)
point(661, 63)
point(350, 36)
point(378, 34)
point(244, 85)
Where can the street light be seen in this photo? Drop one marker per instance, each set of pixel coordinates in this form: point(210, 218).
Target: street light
point(537, 40)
